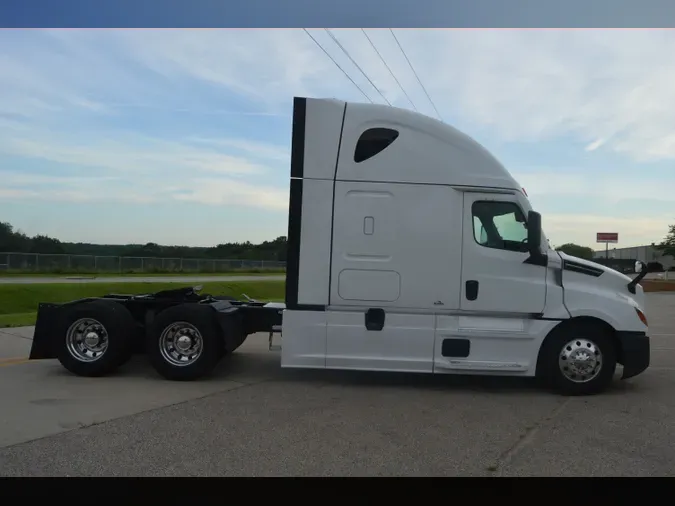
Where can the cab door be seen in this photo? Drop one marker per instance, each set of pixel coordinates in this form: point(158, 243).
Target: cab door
point(495, 275)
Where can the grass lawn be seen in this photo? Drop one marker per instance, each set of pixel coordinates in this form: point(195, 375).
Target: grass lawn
point(17, 320)
point(243, 272)
point(18, 302)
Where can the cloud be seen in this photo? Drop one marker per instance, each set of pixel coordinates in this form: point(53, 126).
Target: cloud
point(610, 189)
point(118, 168)
point(533, 85)
point(610, 89)
point(594, 145)
point(234, 193)
point(256, 149)
point(220, 191)
point(523, 85)
point(139, 155)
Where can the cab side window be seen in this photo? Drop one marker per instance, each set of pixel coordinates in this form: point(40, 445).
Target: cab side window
point(499, 225)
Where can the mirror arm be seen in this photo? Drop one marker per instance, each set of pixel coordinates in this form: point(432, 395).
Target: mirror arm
point(631, 286)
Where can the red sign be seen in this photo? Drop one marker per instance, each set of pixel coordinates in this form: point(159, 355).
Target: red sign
point(607, 237)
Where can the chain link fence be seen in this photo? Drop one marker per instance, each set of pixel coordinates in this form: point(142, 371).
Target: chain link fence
point(36, 262)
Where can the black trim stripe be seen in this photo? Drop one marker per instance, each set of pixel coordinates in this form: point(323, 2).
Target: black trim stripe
point(332, 212)
point(295, 202)
point(572, 266)
point(293, 244)
point(309, 307)
point(298, 137)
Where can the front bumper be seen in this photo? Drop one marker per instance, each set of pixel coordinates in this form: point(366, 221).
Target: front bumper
point(635, 353)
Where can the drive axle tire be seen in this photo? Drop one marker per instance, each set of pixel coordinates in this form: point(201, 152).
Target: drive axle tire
point(184, 342)
point(96, 338)
point(578, 359)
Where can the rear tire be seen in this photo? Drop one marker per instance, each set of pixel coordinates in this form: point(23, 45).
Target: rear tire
point(184, 342)
point(97, 338)
point(578, 359)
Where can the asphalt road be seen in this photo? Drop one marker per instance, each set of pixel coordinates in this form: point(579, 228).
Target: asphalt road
point(138, 279)
point(253, 418)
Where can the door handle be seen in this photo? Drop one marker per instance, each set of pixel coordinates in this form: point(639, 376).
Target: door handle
point(471, 288)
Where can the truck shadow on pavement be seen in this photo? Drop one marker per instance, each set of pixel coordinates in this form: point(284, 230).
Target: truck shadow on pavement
point(242, 363)
point(255, 368)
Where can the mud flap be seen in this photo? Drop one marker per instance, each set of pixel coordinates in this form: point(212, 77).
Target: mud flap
point(46, 330)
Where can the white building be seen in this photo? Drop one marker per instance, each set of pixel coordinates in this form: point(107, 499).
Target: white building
point(644, 254)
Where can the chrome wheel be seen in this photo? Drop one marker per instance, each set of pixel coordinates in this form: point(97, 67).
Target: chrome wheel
point(181, 344)
point(87, 340)
point(580, 360)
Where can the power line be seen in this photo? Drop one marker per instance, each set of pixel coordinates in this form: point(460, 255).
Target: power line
point(390, 71)
point(418, 79)
point(338, 66)
point(356, 64)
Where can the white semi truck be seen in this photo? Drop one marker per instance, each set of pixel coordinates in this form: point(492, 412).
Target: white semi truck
point(410, 249)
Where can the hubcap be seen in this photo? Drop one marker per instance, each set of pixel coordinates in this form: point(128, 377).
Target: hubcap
point(91, 339)
point(580, 360)
point(181, 344)
point(184, 343)
point(87, 340)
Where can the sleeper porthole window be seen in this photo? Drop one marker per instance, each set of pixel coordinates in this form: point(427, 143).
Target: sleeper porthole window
point(372, 142)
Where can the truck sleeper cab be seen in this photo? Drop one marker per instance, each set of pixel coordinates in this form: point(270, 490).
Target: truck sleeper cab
point(411, 248)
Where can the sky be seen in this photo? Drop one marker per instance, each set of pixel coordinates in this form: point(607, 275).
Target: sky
point(183, 136)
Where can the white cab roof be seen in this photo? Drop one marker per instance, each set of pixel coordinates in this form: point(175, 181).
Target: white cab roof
point(425, 151)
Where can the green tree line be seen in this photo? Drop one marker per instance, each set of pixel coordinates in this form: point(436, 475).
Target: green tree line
point(15, 241)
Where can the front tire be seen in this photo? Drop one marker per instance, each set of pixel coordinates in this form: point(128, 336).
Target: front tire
point(578, 359)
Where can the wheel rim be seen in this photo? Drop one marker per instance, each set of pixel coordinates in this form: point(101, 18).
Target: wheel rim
point(87, 340)
point(580, 360)
point(181, 344)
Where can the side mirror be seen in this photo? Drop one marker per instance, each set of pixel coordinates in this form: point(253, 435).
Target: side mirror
point(534, 233)
point(638, 267)
point(534, 240)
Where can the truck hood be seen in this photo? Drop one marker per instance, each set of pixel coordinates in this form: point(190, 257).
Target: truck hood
point(610, 279)
point(609, 272)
